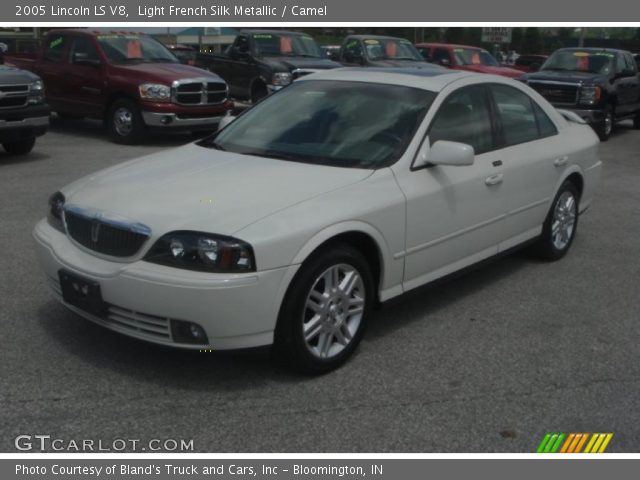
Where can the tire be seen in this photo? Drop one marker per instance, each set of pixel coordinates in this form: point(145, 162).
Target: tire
point(124, 122)
point(605, 126)
point(335, 318)
point(258, 92)
point(556, 238)
point(21, 147)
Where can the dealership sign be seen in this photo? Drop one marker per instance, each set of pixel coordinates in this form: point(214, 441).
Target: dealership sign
point(496, 35)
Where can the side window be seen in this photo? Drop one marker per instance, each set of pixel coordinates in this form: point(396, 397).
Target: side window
point(242, 44)
point(620, 63)
point(631, 64)
point(426, 54)
point(546, 127)
point(464, 117)
point(441, 54)
point(519, 122)
point(353, 51)
point(82, 48)
point(55, 48)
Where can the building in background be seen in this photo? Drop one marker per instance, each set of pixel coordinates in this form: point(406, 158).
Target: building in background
point(207, 39)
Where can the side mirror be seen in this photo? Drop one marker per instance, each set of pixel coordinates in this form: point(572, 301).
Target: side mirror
point(226, 120)
point(82, 59)
point(445, 62)
point(444, 152)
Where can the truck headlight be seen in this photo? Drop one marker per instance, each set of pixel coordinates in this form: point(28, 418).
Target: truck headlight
point(589, 95)
point(155, 92)
point(36, 92)
point(205, 252)
point(281, 79)
point(54, 214)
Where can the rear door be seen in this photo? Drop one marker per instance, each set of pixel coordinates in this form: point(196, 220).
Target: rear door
point(626, 82)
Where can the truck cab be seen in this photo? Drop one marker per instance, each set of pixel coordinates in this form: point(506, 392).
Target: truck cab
point(379, 51)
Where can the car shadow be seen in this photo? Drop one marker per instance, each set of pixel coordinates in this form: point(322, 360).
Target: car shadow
point(209, 371)
point(34, 156)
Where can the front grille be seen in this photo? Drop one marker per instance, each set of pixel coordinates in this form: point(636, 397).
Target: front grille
point(143, 323)
point(557, 93)
point(117, 240)
point(12, 96)
point(198, 92)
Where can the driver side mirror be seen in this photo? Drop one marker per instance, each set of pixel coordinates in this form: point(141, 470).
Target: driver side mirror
point(83, 59)
point(444, 152)
point(239, 54)
point(445, 62)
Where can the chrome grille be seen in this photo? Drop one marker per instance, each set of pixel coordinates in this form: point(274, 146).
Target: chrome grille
point(12, 96)
point(117, 239)
point(198, 92)
point(557, 93)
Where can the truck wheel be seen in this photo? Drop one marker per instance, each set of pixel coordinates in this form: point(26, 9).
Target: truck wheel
point(125, 122)
point(21, 147)
point(258, 92)
point(324, 313)
point(605, 126)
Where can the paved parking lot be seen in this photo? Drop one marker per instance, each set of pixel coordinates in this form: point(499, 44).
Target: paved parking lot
point(488, 362)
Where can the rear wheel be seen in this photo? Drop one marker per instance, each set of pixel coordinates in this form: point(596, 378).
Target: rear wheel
point(124, 122)
point(605, 126)
point(560, 226)
point(21, 147)
point(324, 314)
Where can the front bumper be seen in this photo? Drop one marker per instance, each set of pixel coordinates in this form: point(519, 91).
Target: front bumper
point(24, 123)
point(173, 121)
point(236, 311)
point(591, 116)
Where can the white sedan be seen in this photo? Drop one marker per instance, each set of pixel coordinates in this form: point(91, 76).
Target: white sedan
point(345, 189)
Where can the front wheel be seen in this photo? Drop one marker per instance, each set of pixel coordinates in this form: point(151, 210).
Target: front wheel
point(125, 122)
point(605, 126)
point(325, 311)
point(21, 147)
point(560, 226)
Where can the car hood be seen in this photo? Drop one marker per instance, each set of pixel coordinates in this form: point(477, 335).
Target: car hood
point(292, 63)
point(564, 76)
point(165, 73)
point(504, 71)
point(10, 75)
point(195, 188)
point(396, 63)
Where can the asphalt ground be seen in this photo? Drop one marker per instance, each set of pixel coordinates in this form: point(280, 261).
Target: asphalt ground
point(488, 362)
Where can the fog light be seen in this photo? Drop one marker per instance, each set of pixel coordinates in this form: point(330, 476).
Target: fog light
point(166, 120)
point(188, 332)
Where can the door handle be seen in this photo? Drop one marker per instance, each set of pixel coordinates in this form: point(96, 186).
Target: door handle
point(561, 161)
point(493, 179)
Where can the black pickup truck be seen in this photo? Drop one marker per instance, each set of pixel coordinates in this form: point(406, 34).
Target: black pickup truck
point(601, 85)
point(379, 51)
point(24, 115)
point(260, 62)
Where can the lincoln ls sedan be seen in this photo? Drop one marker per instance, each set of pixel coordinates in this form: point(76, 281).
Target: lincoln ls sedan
point(340, 192)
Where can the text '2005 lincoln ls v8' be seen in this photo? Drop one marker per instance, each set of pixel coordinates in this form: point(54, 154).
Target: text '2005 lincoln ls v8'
point(345, 189)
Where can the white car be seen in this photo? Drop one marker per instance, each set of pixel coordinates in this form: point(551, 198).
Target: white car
point(345, 189)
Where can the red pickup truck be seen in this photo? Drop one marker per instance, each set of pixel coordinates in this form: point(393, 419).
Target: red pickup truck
point(129, 80)
point(463, 57)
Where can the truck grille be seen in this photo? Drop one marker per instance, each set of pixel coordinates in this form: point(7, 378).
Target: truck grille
point(199, 92)
point(557, 93)
point(12, 96)
point(104, 236)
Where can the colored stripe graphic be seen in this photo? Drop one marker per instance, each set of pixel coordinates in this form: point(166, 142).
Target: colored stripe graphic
point(557, 442)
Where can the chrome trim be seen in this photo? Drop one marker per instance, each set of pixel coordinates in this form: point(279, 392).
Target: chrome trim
point(154, 119)
point(110, 219)
point(204, 92)
point(25, 122)
point(20, 93)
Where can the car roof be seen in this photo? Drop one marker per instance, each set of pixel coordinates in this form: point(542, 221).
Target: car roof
point(428, 77)
point(592, 49)
point(446, 45)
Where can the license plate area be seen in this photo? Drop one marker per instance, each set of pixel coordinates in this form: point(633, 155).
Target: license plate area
point(82, 293)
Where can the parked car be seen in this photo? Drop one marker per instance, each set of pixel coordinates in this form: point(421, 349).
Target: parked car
point(185, 54)
point(378, 51)
point(347, 188)
point(600, 85)
point(129, 80)
point(24, 115)
point(464, 57)
point(529, 63)
point(260, 62)
point(331, 51)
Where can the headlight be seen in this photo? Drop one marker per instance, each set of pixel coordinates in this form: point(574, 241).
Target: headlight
point(36, 92)
point(155, 92)
point(54, 214)
point(589, 95)
point(281, 78)
point(203, 252)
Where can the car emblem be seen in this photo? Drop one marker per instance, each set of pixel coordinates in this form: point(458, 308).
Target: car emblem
point(95, 231)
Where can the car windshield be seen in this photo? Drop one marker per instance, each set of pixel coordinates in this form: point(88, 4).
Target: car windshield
point(474, 56)
point(132, 48)
point(391, 49)
point(580, 61)
point(287, 45)
point(337, 123)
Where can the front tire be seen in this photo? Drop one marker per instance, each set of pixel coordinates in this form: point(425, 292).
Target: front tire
point(605, 126)
point(560, 226)
point(21, 147)
point(125, 122)
point(325, 311)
